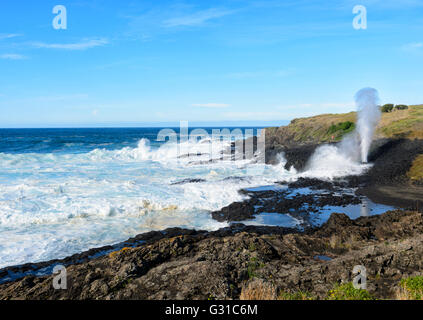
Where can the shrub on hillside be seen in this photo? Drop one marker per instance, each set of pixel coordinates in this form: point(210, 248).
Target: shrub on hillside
point(387, 107)
point(342, 126)
point(401, 107)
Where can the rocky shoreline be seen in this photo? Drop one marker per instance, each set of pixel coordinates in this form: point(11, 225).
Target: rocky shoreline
point(184, 264)
point(187, 264)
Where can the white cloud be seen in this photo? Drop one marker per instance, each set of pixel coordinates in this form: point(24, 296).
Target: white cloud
point(196, 18)
point(211, 105)
point(82, 45)
point(12, 56)
point(9, 35)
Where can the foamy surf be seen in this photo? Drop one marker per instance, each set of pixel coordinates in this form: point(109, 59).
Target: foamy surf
point(77, 197)
point(57, 204)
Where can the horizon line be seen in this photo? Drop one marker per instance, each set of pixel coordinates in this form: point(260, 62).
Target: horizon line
point(158, 124)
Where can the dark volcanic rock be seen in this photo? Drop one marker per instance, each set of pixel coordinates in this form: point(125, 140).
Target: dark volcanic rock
point(296, 157)
point(392, 160)
point(237, 211)
point(312, 183)
point(185, 181)
point(204, 265)
point(286, 201)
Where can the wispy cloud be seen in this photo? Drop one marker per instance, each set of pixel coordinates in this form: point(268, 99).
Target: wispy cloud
point(82, 45)
point(158, 20)
point(196, 18)
point(12, 56)
point(9, 35)
point(414, 46)
point(256, 74)
point(211, 105)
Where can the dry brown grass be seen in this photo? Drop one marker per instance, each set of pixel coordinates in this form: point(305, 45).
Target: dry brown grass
point(405, 294)
point(389, 117)
point(410, 289)
point(333, 241)
point(416, 171)
point(402, 294)
point(258, 289)
point(402, 123)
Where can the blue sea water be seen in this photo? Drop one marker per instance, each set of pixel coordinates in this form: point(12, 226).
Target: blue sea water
point(76, 140)
point(63, 191)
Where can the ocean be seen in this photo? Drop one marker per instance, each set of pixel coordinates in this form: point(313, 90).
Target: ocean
point(63, 191)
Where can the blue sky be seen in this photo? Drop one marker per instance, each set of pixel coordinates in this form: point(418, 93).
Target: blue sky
point(164, 61)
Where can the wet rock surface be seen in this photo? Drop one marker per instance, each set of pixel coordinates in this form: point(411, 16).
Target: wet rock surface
point(182, 264)
point(386, 182)
point(289, 201)
point(187, 181)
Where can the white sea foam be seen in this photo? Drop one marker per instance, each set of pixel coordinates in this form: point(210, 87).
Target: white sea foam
point(330, 162)
point(350, 156)
point(55, 205)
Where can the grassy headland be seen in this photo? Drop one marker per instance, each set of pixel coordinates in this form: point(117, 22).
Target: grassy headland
point(406, 123)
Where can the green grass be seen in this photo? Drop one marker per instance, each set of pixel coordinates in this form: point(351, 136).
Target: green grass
point(412, 288)
point(348, 292)
point(341, 128)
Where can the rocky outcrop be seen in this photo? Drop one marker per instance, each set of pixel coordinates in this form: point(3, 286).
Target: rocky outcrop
point(215, 265)
point(387, 181)
point(287, 201)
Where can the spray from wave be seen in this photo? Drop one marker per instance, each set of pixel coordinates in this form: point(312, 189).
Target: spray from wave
point(351, 154)
point(368, 117)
